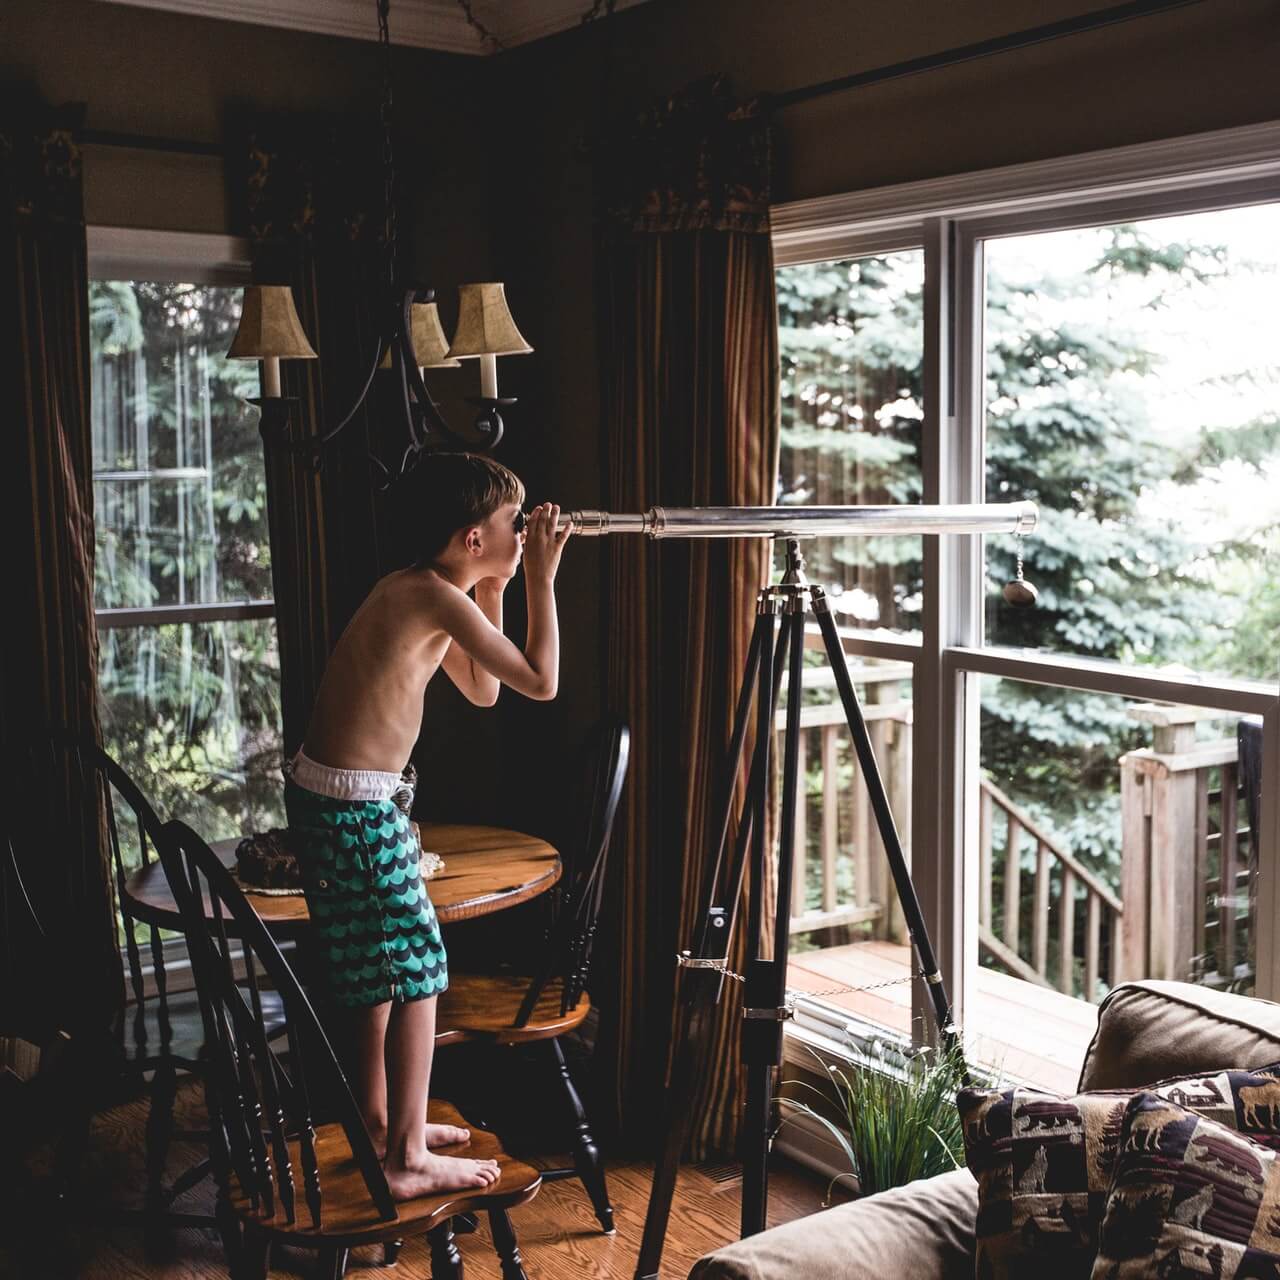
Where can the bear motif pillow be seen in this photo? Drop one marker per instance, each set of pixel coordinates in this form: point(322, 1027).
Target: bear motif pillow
point(1044, 1163)
point(1190, 1198)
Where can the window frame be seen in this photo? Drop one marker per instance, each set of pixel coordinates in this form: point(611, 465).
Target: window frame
point(128, 253)
point(950, 219)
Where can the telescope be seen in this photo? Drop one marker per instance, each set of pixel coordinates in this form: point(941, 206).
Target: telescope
point(806, 522)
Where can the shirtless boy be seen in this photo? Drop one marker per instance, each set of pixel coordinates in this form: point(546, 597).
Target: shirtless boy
point(360, 863)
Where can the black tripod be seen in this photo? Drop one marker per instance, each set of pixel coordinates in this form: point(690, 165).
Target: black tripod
point(764, 999)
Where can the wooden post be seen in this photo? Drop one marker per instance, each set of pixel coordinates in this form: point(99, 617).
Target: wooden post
point(1067, 933)
point(802, 831)
point(1092, 932)
point(830, 819)
point(1012, 883)
point(1040, 920)
point(984, 860)
point(899, 783)
point(1160, 858)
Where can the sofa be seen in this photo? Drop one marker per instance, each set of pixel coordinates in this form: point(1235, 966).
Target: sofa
point(1147, 1031)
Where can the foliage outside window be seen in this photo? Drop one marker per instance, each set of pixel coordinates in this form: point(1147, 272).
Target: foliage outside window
point(1130, 379)
point(190, 707)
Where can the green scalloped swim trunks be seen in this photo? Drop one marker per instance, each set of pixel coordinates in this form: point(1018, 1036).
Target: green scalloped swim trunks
point(360, 869)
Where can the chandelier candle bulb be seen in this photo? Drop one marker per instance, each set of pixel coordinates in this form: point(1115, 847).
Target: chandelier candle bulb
point(489, 376)
point(270, 373)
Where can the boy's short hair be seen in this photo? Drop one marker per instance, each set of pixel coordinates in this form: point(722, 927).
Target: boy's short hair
point(452, 491)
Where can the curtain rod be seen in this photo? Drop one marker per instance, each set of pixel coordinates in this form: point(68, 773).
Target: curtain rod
point(146, 142)
point(981, 49)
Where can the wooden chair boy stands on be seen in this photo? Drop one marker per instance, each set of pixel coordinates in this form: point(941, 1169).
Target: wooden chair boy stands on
point(283, 1173)
point(515, 1009)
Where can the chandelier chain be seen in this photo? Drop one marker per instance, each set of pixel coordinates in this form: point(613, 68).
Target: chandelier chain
point(388, 154)
point(599, 6)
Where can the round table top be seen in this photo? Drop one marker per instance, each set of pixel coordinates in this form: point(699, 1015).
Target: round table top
point(486, 869)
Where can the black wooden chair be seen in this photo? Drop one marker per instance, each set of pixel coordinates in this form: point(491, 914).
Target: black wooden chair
point(282, 1173)
point(516, 1009)
point(163, 1033)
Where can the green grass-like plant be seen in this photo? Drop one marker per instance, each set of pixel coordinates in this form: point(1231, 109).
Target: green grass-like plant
point(895, 1118)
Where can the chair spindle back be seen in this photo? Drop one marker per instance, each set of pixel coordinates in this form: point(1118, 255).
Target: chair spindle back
point(249, 1088)
point(573, 933)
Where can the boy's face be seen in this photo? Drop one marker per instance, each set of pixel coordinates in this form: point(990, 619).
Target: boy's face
point(503, 539)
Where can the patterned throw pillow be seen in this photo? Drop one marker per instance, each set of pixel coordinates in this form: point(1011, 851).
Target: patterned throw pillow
point(1044, 1163)
point(1191, 1198)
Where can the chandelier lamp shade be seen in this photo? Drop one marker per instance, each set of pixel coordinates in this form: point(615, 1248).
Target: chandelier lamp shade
point(430, 346)
point(487, 331)
point(413, 341)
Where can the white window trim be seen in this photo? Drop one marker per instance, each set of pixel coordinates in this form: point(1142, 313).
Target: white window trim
point(949, 218)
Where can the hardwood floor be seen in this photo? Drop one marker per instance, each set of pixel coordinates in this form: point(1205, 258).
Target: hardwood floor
point(559, 1236)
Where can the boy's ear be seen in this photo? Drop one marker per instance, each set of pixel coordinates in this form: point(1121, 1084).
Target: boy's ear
point(472, 540)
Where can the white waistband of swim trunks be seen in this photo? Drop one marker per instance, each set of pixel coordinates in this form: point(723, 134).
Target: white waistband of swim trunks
point(343, 784)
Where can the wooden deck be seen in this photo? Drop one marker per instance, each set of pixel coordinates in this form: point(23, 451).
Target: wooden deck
point(1028, 1033)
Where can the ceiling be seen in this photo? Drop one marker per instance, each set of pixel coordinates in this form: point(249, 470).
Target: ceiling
point(423, 24)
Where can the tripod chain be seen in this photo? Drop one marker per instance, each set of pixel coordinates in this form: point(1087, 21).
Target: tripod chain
point(684, 960)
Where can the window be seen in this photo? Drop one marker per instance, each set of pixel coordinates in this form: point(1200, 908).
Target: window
point(1098, 335)
point(852, 346)
point(188, 668)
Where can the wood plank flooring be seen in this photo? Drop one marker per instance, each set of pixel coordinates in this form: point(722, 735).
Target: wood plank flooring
point(558, 1234)
point(1029, 1033)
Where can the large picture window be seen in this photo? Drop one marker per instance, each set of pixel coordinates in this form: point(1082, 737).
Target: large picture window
point(189, 671)
point(1091, 779)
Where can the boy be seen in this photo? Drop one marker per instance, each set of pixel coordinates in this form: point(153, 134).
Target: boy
point(359, 862)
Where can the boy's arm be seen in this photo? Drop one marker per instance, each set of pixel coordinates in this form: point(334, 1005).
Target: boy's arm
point(536, 671)
point(476, 684)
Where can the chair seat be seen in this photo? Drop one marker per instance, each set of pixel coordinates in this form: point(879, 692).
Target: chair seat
point(483, 1006)
point(349, 1218)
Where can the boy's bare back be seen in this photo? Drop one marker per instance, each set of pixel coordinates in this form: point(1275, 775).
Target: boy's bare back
point(368, 711)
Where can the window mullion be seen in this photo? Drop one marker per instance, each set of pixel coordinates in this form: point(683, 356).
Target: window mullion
point(952, 570)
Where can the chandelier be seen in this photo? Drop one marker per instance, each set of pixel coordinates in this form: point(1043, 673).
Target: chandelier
point(411, 340)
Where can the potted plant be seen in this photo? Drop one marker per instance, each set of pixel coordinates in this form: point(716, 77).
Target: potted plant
point(893, 1114)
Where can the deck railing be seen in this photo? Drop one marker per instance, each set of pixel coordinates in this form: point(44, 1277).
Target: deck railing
point(1060, 886)
point(1042, 914)
point(834, 820)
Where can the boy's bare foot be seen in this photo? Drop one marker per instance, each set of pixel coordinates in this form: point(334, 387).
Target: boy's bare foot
point(438, 1135)
point(433, 1175)
point(446, 1135)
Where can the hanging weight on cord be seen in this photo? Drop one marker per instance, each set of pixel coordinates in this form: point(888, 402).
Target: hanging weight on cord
point(1018, 591)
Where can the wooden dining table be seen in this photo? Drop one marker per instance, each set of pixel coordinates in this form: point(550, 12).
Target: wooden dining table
point(486, 869)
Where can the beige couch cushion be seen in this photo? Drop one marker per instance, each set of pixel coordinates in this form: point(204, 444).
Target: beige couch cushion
point(1149, 1031)
point(923, 1229)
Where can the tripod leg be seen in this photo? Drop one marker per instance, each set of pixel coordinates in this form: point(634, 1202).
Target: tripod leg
point(765, 993)
point(702, 987)
point(884, 819)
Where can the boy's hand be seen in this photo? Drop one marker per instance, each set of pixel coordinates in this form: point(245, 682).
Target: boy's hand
point(543, 543)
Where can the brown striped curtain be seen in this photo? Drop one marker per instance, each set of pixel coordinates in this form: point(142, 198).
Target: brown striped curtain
point(691, 418)
point(49, 641)
point(312, 202)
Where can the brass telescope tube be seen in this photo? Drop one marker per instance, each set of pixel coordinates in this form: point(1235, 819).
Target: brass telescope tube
point(806, 522)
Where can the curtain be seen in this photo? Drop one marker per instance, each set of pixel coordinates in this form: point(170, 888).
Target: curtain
point(49, 643)
point(312, 201)
point(691, 419)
